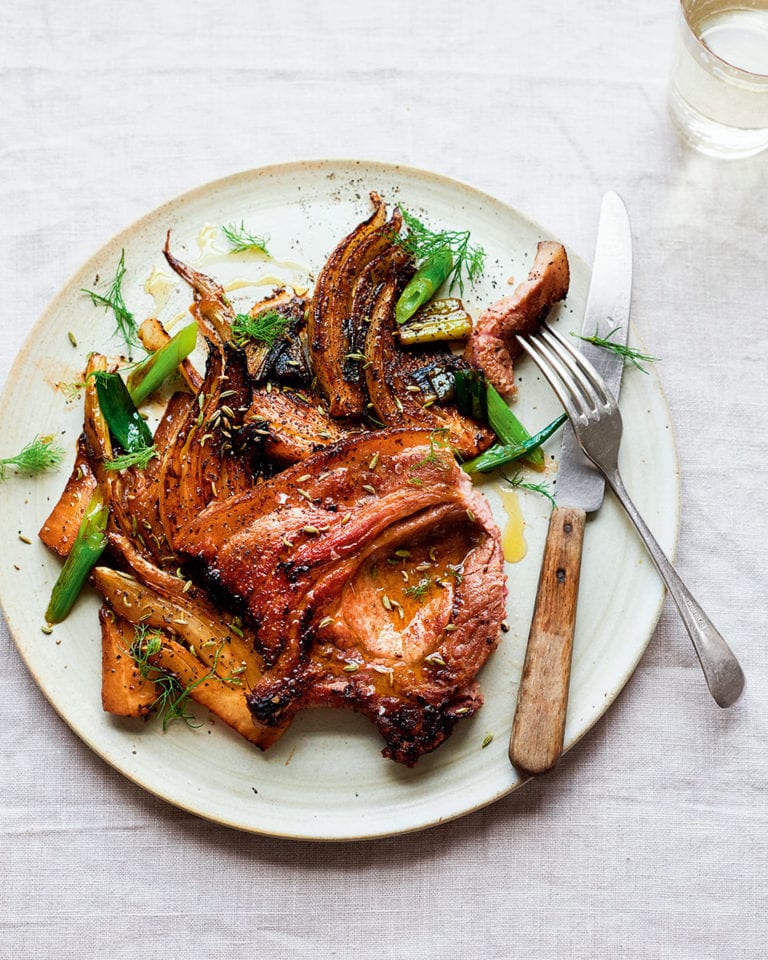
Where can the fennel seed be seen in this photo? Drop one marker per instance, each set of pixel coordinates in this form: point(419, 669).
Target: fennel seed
point(435, 658)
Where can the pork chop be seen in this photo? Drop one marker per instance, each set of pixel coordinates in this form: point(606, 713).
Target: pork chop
point(373, 574)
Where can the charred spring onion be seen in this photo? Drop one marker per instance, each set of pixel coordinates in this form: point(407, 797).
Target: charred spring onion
point(430, 276)
point(124, 420)
point(477, 398)
point(89, 544)
point(501, 454)
point(444, 319)
point(471, 394)
point(508, 428)
point(150, 373)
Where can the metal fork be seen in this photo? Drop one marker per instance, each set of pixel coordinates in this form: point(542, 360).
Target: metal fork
point(596, 420)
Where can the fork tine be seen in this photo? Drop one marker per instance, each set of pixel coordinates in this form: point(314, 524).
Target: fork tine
point(549, 368)
point(594, 399)
point(577, 360)
point(569, 374)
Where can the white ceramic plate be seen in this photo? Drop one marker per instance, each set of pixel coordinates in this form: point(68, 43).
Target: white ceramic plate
point(326, 778)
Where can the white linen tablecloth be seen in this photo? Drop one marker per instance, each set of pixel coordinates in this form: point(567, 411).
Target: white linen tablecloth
point(649, 839)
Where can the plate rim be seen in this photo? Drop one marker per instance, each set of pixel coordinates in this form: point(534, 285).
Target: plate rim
point(286, 168)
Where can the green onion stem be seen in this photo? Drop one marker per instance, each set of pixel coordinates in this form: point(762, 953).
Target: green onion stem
point(500, 454)
point(124, 420)
point(150, 373)
point(430, 276)
point(509, 430)
point(89, 544)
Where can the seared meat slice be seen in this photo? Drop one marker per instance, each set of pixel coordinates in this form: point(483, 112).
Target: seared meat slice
point(492, 345)
point(395, 394)
point(374, 583)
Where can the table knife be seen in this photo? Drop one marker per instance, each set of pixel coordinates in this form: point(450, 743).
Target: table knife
point(539, 725)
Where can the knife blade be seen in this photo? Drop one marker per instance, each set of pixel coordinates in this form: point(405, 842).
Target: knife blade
point(539, 725)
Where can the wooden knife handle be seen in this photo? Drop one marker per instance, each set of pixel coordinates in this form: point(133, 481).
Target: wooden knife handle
point(539, 725)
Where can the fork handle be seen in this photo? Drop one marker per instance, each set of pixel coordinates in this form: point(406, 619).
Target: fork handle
point(722, 672)
point(539, 724)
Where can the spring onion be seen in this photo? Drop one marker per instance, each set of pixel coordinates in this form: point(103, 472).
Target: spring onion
point(124, 420)
point(430, 276)
point(471, 394)
point(444, 319)
point(150, 373)
point(508, 428)
point(89, 544)
point(501, 454)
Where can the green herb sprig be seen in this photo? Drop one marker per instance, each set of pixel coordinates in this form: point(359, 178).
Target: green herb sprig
point(266, 327)
point(518, 482)
point(421, 243)
point(113, 300)
point(172, 700)
point(242, 240)
point(38, 455)
point(136, 458)
point(438, 440)
point(419, 590)
point(635, 357)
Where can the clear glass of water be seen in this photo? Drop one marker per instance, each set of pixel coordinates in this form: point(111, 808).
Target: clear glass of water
point(718, 92)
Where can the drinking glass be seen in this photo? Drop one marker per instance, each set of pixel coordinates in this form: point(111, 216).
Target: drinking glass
point(718, 92)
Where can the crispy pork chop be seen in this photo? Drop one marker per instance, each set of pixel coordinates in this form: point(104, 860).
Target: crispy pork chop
point(373, 574)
